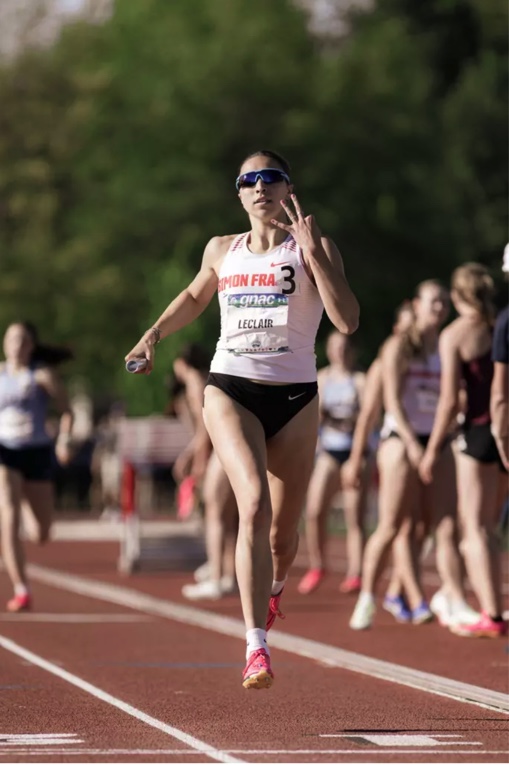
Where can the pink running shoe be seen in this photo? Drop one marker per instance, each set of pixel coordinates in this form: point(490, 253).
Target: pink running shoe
point(350, 585)
point(485, 627)
point(311, 580)
point(19, 603)
point(258, 673)
point(274, 610)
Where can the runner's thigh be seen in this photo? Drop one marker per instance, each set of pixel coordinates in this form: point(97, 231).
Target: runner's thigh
point(239, 442)
point(290, 460)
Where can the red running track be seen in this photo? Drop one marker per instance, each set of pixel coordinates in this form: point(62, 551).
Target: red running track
point(106, 683)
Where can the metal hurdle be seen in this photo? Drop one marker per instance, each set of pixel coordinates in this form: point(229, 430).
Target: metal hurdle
point(144, 442)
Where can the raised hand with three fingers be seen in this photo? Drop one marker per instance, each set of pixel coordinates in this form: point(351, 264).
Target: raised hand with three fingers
point(304, 229)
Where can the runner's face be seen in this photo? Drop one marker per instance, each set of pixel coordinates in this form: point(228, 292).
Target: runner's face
point(263, 201)
point(404, 321)
point(18, 344)
point(337, 349)
point(431, 307)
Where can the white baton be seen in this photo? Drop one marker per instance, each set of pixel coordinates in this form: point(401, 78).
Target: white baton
point(136, 365)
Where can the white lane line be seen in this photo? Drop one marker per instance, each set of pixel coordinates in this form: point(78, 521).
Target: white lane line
point(34, 736)
point(13, 746)
point(404, 739)
point(191, 741)
point(311, 649)
point(372, 751)
point(74, 618)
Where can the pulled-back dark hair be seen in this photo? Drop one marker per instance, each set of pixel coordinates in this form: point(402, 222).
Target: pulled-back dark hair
point(51, 355)
point(278, 158)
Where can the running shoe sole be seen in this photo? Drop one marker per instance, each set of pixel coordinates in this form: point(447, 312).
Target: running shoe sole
point(262, 680)
point(479, 634)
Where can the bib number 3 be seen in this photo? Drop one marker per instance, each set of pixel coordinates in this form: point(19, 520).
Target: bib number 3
point(289, 279)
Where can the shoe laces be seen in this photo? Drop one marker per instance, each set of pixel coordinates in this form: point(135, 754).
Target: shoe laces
point(258, 657)
point(274, 606)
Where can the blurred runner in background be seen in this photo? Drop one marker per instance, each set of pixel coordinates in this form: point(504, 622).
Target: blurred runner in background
point(367, 429)
point(411, 385)
point(28, 382)
point(340, 390)
point(202, 479)
point(465, 356)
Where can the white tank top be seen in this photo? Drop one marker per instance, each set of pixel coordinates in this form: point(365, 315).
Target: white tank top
point(339, 400)
point(420, 392)
point(270, 313)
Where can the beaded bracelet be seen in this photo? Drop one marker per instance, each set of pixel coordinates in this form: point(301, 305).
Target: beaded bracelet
point(157, 333)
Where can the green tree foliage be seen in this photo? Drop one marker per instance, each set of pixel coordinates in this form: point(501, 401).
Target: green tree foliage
point(120, 144)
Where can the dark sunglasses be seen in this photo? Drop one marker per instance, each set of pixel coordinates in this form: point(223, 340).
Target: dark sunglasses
point(268, 175)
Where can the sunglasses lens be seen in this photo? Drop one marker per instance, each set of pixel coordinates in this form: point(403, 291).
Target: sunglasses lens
point(246, 180)
point(268, 176)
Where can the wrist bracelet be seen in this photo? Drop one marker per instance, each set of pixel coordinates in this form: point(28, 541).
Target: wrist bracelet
point(157, 333)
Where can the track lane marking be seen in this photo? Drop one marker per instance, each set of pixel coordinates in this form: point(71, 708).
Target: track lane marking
point(325, 654)
point(372, 751)
point(74, 618)
point(194, 743)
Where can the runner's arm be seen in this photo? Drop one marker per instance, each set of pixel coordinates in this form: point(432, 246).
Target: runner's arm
point(193, 300)
point(338, 299)
point(499, 410)
point(393, 364)
point(49, 379)
point(448, 401)
point(370, 411)
point(186, 307)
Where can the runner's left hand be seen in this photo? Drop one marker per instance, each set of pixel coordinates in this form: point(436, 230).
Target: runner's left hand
point(426, 467)
point(304, 230)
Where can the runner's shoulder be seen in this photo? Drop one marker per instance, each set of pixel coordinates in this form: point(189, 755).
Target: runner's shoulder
point(455, 332)
point(217, 247)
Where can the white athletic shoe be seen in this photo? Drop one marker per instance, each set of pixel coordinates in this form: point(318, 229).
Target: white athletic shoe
point(202, 573)
point(440, 605)
point(364, 612)
point(463, 614)
point(450, 613)
point(207, 590)
point(228, 585)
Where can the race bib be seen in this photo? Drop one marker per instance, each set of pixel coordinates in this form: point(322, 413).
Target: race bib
point(15, 425)
point(257, 323)
point(427, 400)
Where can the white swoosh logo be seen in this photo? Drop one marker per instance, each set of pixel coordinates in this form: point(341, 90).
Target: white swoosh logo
point(291, 398)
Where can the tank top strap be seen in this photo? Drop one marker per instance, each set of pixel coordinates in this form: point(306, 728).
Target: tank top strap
point(238, 243)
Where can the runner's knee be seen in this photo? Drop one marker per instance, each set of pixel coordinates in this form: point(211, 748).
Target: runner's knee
point(254, 510)
point(284, 546)
point(446, 530)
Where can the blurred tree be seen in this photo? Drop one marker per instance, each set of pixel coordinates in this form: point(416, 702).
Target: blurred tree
point(119, 147)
